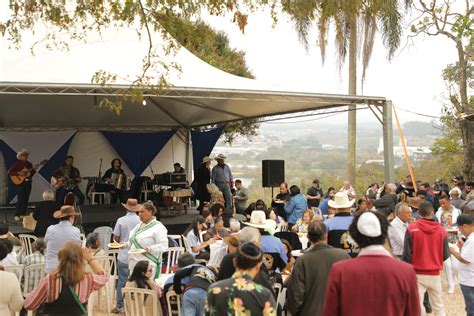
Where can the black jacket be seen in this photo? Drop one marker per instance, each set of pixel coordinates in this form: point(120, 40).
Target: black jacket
point(386, 203)
point(307, 283)
point(44, 216)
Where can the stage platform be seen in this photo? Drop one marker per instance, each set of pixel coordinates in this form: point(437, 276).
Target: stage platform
point(94, 216)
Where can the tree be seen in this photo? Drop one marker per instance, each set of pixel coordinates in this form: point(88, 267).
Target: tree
point(213, 47)
point(454, 22)
point(345, 15)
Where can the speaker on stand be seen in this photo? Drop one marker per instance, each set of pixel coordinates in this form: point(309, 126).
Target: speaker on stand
point(273, 173)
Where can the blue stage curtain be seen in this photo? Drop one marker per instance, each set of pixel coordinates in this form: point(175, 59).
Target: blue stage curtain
point(9, 157)
point(203, 143)
point(56, 160)
point(138, 149)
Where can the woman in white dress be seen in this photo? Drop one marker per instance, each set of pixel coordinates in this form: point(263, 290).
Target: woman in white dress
point(148, 240)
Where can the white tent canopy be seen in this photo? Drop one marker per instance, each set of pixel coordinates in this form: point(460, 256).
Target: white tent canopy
point(51, 90)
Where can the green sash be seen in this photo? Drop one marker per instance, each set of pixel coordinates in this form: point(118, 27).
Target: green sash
point(149, 256)
point(76, 298)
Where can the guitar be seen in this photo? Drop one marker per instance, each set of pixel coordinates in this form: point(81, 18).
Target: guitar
point(25, 173)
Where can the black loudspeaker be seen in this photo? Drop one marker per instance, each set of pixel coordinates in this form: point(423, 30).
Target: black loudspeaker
point(273, 173)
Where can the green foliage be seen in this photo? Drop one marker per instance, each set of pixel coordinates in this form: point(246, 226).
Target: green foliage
point(213, 47)
point(383, 16)
point(206, 43)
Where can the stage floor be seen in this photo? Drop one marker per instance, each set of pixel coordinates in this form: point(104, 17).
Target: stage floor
point(94, 216)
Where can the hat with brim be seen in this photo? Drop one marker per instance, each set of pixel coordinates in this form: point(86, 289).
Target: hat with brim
point(64, 211)
point(206, 159)
point(414, 202)
point(341, 200)
point(131, 205)
point(220, 157)
point(259, 220)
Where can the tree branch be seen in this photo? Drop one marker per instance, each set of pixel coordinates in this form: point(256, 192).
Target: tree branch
point(147, 64)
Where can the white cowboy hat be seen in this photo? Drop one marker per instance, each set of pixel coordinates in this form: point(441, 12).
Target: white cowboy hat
point(221, 157)
point(341, 200)
point(206, 159)
point(21, 153)
point(259, 220)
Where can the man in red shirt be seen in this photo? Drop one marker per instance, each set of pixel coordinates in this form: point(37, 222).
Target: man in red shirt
point(24, 188)
point(426, 247)
point(374, 283)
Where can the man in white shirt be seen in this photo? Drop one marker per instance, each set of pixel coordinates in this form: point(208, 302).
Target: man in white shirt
point(349, 190)
point(398, 228)
point(466, 258)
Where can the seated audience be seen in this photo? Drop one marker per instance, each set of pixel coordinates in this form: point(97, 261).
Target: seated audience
point(302, 224)
point(192, 234)
point(66, 290)
point(39, 246)
point(11, 258)
point(234, 226)
point(217, 231)
point(11, 300)
point(245, 295)
point(216, 195)
point(142, 278)
point(291, 260)
point(232, 243)
point(93, 242)
point(323, 206)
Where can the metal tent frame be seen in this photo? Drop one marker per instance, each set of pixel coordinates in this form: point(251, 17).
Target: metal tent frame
point(48, 106)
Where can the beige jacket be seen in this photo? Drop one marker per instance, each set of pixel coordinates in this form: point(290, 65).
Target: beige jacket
point(11, 299)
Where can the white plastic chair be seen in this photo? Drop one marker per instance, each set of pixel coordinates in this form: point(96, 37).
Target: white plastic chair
point(36, 273)
point(16, 269)
point(27, 242)
point(106, 263)
point(172, 258)
point(171, 295)
point(187, 246)
point(217, 254)
point(113, 253)
point(83, 240)
point(135, 305)
point(177, 238)
point(145, 190)
point(201, 235)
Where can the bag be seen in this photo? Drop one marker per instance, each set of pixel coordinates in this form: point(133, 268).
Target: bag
point(29, 222)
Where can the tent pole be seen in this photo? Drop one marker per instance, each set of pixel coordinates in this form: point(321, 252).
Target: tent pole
point(388, 143)
point(188, 154)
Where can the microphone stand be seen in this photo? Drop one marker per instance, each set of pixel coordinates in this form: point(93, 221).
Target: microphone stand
point(100, 168)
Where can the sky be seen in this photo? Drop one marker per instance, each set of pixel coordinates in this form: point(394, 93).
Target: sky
point(412, 79)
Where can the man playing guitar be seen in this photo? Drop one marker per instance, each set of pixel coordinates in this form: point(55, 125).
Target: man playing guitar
point(20, 168)
point(67, 179)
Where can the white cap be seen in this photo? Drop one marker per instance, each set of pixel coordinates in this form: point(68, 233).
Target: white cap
point(369, 225)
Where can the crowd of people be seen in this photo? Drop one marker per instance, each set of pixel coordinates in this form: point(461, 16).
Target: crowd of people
point(381, 254)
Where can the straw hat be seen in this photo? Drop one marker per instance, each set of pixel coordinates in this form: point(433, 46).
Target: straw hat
point(131, 205)
point(221, 157)
point(66, 210)
point(341, 200)
point(206, 159)
point(259, 220)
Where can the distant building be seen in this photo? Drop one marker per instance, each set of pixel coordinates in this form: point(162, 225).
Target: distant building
point(416, 153)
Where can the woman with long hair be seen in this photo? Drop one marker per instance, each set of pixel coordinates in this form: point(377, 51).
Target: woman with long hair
point(192, 234)
point(142, 278)
point(66, 290)
point(11, 299)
